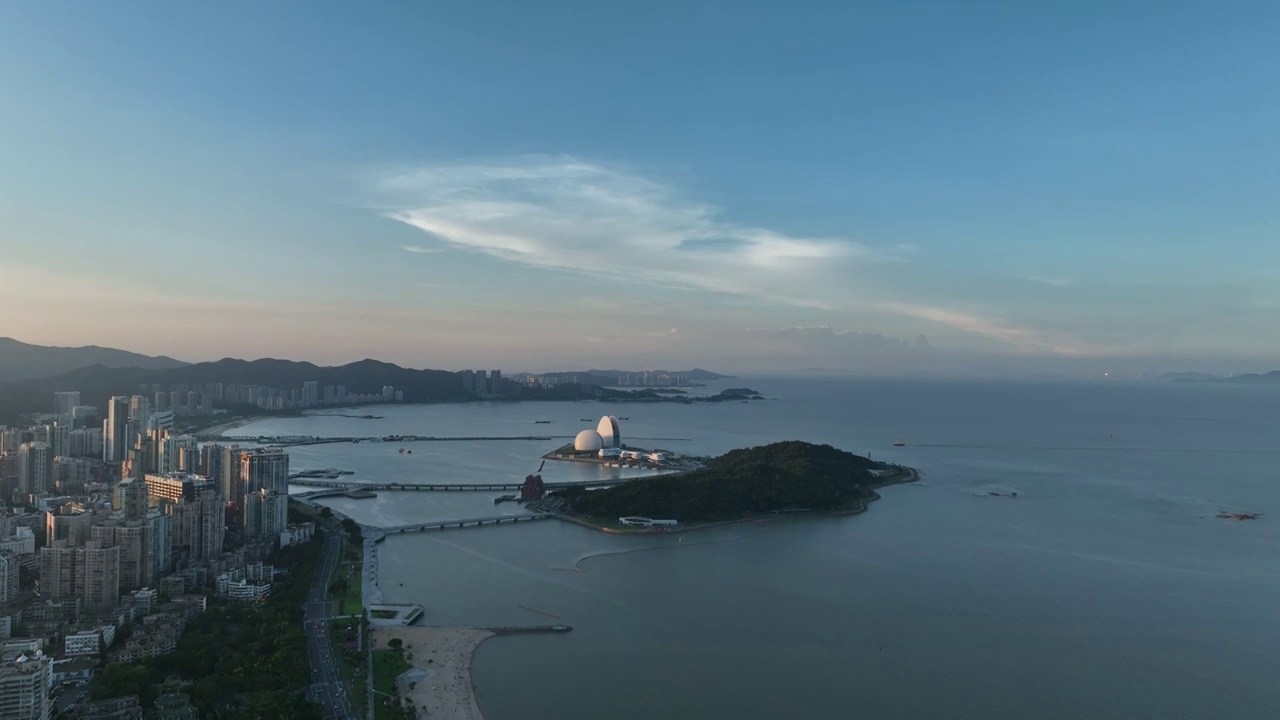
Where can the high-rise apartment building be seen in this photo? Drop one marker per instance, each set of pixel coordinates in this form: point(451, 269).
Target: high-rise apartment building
point(71, 522)
point(178, 453)
point(85, 442)
point(8, 577)
point(57, 570)
point(63, 402)
point(35, 467)
point(24, 688)
point(139, 408)
point(195, 507)
point(59, 434)
point(264, 474)
point(131, 498)
point(90, 572)
point(98, 574)
point(161, 532)
point(159, 420)
point(115, 430)
point(310, 393)
point(133, 537)
point(229, 481)
point(141, 457)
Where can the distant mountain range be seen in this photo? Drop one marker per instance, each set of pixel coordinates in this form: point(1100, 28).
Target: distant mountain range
point(97, 383)
point(30, 374)
point(21, 361)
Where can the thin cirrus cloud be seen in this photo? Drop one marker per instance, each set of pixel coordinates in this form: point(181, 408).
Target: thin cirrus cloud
point(570, 215)
point(419, 249)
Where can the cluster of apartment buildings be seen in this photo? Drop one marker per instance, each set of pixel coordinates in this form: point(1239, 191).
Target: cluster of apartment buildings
point(492, 383)
point(79, 445)
point(164, 521)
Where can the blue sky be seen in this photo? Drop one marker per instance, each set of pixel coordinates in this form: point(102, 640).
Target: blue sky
point(755, 186)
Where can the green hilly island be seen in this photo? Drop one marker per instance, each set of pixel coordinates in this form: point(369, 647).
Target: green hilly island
point(749, 482)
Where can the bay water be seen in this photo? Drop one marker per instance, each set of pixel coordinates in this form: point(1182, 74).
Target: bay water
point(1107, 588)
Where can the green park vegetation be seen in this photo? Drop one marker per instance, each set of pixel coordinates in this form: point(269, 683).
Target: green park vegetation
point(783, 476)
point(388, 665)
point(346, 588)
point(242, 660)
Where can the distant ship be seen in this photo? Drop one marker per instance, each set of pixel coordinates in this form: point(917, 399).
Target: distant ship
point(899, 444)
point(405, 452)
point(542, 422)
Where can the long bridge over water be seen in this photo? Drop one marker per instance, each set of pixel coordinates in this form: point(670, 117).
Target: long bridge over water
point(464, 522)
point(441, 487)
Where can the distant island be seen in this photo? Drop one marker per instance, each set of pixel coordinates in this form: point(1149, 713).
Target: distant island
point(624, 378)
point(784, 477)
point(671, 395)
point(1270, 378)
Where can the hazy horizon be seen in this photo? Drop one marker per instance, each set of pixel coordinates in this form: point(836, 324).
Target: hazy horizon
point(974, 366)
point(868, 187)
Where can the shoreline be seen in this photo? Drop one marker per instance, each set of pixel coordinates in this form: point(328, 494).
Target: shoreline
point(912, 475)
point(442, 660)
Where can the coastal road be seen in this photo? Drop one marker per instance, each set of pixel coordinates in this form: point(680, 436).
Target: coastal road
point(326, 683)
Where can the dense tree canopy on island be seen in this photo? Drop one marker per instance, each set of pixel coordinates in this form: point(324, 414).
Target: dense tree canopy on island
point(782, 476)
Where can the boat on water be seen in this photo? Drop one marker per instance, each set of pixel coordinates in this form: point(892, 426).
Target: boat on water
point(404, 451)
point(899, 444)
point(542, 422)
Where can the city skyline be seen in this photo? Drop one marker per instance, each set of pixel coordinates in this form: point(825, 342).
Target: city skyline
point(866, 188)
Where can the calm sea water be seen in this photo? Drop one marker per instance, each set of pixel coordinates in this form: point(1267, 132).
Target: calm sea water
point(1106, 589)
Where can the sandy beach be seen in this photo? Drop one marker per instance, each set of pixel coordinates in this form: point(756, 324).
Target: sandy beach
point(224, 428)
point(441, 657)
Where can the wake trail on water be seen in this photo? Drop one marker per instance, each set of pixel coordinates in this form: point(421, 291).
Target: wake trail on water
point(522, 571)
point(577, 565)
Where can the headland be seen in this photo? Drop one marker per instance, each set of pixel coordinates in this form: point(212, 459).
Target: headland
point(780, 479)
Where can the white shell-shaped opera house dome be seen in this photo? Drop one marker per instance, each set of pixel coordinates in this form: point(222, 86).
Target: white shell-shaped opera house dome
point(588, 441)
point(608, 430)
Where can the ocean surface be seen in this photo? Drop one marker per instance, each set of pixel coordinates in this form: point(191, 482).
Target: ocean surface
point(1106, 589)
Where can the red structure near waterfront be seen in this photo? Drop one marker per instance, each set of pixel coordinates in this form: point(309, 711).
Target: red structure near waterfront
point(533, 488)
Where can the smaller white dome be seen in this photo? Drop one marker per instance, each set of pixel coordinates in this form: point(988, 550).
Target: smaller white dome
point(588, 441)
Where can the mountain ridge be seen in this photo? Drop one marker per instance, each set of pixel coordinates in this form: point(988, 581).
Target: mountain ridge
point(25, 361)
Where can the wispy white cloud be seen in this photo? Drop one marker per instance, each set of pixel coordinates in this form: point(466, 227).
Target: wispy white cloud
point(1021, 338)
point(419, 249)
point(570, 215)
